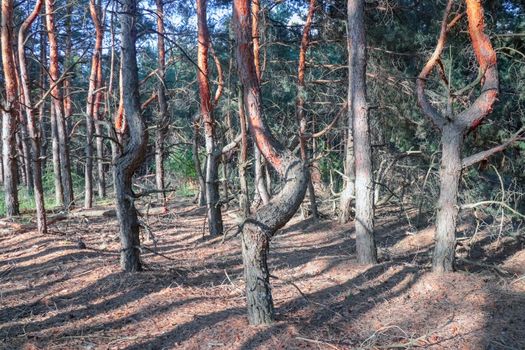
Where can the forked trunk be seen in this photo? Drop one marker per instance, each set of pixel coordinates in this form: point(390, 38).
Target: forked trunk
point(454, 128)
point(261, 226)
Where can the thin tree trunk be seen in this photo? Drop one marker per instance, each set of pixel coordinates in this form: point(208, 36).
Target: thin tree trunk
point(132, 157)
point(301, 116)
point(244, 203)
point(91, 108)
point(364, 186)
point(9, 112)
point(212, 154)
point(59, 192)
point(262, 225)
point(262, 189)
point(99, 141)
point(31, 124)
point(197, 163)
point(58, 102)
point(162, 123)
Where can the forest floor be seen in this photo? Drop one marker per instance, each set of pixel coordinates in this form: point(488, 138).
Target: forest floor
point(57, 294)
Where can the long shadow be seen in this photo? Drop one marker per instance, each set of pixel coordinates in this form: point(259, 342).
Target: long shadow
point(356, 302)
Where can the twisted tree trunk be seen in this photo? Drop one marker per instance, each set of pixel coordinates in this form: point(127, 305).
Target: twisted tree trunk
point(262, 225)
point(135, 150)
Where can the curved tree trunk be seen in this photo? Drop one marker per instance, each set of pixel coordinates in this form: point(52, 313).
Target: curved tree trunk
point(31, 124)
point(133, 155)
point(454, 128)
point(9, 112)
point(212, 153)
point(58, 102)
point(262, 225)
point(364, 187)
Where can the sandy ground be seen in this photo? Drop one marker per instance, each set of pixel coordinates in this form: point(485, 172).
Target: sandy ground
point(56, 294)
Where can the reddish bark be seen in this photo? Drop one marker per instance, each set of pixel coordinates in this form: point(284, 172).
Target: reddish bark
point(206, 108)
point(262, 225)
point(454, 128)
point(58, 102)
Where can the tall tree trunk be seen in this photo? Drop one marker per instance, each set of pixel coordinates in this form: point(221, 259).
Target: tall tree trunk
point(42, 82)
point(59, 191)
point(454, 128)
point(162, 121)
point(135, 150)
point(213, 204)
point(9, 112)
point(58, 102)
point(364, 187)
point(99, 141)
point(301, 91)
point(31, 124)
point(91, 108)
point(261, 187)
point(262, 225)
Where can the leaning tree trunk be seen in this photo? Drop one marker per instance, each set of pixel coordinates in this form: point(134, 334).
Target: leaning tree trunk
point(262, 225)
point(31, 123)
point(213, 204)
point(58, 102)
point(9, 112)
point(455, 128)
point(133, 155)
point(364, 187)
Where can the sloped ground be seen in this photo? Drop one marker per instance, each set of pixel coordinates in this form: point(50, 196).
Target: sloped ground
point(55, 294)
